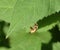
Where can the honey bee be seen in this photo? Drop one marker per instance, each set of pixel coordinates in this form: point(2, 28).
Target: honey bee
point(34, 28)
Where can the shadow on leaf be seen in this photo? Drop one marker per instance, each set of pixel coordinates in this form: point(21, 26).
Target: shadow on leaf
point(48, 20)
point(55, 33)
point(3, 41)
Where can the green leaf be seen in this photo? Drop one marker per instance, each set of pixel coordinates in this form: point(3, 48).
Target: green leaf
point(28, 41)
point(25, 13)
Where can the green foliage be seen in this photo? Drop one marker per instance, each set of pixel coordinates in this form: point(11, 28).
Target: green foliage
point(25, 13)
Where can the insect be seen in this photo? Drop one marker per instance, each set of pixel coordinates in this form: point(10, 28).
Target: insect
point(34, 28)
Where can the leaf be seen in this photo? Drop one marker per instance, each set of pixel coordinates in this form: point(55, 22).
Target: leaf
point(47, 22)
point(28, 41)
point(29, 10)
point(22, 14)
